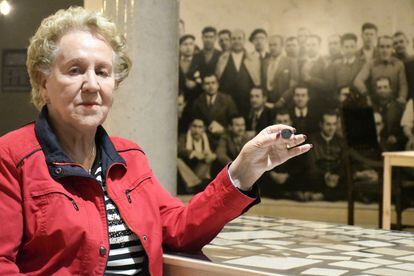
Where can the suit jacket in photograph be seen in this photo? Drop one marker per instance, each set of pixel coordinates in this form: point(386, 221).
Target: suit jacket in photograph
point(340, 74)
point(189, 94)
point(282, 80)
point(305, 125)
point(265, 119)
point(221, 111)
point(318, 85)
point(228, 149)
point(409, 73)
point(239, 83)
point(207, 67)
point(361, 56)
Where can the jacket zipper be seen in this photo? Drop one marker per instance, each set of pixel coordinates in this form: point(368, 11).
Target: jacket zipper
point(128, 191)
point(103, 200)
point(74, 204)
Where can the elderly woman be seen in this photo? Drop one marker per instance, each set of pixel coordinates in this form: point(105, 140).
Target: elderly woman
point(74, 200)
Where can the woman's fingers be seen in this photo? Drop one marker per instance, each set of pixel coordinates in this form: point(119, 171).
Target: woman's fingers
point(295, 140)
point(278, 128)
point(299, 150)
point(268, 138)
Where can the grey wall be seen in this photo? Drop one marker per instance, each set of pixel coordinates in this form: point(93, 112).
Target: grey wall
point(15, 31)
point(145, 108)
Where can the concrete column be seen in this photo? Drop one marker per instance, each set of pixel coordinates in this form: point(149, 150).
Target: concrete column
point(145, 108)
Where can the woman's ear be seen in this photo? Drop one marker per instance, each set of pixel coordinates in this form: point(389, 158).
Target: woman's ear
point(42, 80)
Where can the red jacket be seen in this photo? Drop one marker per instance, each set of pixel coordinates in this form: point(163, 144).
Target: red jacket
point(52, 212)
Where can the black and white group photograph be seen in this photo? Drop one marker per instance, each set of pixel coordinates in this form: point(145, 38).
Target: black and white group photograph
point(340, 72)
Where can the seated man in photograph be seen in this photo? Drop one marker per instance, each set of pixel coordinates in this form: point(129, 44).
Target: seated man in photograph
point(194, 155)
point(304, 118)
point(366, 164)
point(342, 72)
point(184, 114)
point(391, 112)
point(280, 74)
point(290, 179)
point(327, 159)
point(232, 141)
point(260, 116)
point(384, 66)
point(214, 108)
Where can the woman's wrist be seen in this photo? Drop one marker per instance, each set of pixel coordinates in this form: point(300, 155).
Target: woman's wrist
point(240, 174)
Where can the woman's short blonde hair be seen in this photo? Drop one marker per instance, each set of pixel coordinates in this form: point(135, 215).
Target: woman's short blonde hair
point(43, 45)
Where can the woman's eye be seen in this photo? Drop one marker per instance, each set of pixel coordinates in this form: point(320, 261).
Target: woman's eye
point(75, 71)
point(103, 73)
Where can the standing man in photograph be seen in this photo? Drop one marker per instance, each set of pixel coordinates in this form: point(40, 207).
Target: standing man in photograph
point(334, 49)
point(189, 79)
point(341, 73)
point(281, 74)
point(224, 40)
point(369, 34)
point(312, 70)
point(384, 66)
point(292, 47)
point(208, 56)
point(302, 35)
point(238, 72)
point(401, 47)
point(259, 40)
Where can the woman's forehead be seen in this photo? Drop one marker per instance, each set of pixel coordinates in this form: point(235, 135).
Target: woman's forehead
point(81, 45)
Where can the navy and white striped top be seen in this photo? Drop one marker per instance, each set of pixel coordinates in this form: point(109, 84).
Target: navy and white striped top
point(126, 254)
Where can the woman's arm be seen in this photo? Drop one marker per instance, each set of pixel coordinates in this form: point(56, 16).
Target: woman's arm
point(11, 217)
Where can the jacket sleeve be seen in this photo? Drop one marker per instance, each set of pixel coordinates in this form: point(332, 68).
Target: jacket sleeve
point(287, 95)
point(402, 79)
point(190, 227)
point(221, 151)
point(362, 77)
point(11, 215)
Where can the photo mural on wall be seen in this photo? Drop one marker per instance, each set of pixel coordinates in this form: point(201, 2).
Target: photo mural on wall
point(341, 72)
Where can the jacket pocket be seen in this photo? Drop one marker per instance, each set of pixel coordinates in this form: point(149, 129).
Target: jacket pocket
point(60, 211)
point(137, 185)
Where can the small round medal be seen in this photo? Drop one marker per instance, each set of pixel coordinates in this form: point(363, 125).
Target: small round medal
point(286, 133)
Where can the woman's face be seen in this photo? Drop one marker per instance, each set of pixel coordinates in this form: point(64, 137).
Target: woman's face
point(79, 88)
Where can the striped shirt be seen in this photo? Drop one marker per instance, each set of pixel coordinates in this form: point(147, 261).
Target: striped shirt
point(126, 254)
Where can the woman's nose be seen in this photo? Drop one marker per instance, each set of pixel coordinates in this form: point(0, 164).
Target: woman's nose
point(90, 83)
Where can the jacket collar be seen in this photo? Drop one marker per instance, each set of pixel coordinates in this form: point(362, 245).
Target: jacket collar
point(59, 164)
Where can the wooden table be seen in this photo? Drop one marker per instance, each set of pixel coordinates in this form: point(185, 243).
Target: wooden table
point(398, 159)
